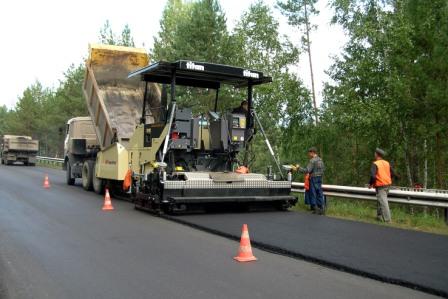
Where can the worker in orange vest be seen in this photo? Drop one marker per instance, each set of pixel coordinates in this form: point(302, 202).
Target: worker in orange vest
point(381, 174)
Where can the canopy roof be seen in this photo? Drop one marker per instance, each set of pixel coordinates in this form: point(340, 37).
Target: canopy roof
point(200, 74)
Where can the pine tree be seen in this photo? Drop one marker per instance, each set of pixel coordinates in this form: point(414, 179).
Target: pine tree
point(299, 13)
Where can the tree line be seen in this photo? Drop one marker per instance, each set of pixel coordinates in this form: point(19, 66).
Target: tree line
point(388, 88)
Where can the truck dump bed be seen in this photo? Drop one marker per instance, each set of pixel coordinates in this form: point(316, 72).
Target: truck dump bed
point(114, 101)
point(20, 143)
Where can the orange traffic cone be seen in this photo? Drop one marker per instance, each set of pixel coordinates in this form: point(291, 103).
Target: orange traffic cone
point(245, 250)
point(107, 202)
point(46, 182)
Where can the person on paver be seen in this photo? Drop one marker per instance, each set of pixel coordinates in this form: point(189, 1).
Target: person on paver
point(315, 169)
point(242, 108)
point(381, 174)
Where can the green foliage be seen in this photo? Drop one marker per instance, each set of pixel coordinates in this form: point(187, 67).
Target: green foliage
point(192, 30)
point(298, 12)
point(258, 45)
point(3, 119)
point(174, 14)
point(108, 37)
point(42, 113)
point(387, 89)
point(126, 37)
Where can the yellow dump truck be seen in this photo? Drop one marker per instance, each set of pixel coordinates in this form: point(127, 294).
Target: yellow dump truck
point(163, 156)
point(19, 149)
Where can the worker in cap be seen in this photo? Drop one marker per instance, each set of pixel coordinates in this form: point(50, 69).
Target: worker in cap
point(315, 170)
point(381, 174)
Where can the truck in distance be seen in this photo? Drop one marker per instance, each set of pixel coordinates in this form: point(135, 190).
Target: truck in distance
point(19, 149)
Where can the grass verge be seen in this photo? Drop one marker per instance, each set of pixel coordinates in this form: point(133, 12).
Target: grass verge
point(403, 216)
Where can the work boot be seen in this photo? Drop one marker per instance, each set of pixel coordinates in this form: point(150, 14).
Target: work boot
point(322, 211)
point(319, 211)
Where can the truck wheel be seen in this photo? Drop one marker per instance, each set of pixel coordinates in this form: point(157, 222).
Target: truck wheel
point(70, 179)
point(87, 175)
point(98, 184)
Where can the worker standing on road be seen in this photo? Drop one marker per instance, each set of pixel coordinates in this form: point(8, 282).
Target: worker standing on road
point(381, 179)
point(315, 169)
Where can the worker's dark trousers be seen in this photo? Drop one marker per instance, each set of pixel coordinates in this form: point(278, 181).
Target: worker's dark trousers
point(317, 196)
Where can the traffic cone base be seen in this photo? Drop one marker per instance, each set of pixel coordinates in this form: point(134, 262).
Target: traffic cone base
point(245, 259)
point(245, 249)
point(107, 202)
point(46, 182)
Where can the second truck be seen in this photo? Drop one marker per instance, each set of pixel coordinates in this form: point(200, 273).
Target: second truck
point(19, 149)
point(165, 158)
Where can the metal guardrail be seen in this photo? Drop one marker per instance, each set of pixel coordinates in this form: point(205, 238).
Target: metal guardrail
point(422, 197)
point(50, 161)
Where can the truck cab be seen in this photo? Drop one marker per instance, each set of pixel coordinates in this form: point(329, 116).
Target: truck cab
point(80, 149)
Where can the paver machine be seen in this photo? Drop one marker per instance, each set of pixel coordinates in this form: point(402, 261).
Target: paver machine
point(175, 160)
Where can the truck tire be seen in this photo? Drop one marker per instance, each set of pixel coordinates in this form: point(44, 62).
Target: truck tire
point(98, 184)
point(70, 179)
point(87, 175)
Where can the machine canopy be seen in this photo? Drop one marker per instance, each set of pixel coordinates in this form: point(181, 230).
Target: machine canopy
point(200, 74)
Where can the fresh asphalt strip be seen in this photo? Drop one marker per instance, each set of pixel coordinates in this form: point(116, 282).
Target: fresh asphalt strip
point(408, 258)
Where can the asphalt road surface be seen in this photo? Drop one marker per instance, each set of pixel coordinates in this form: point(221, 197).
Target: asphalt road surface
point(409, 258)
point(57, 243)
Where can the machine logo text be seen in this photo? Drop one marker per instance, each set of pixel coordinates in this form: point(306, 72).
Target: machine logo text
point(193, 66)
point(249, 74)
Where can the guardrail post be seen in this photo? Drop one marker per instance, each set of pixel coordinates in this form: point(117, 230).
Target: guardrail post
point(445, 215)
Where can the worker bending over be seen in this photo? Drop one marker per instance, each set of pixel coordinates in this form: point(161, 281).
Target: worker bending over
point(315, 169)
point(381, 179)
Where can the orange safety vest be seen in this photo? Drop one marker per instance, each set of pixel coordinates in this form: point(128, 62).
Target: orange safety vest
point(307, 182)
point(383, 176)
point(127, 180)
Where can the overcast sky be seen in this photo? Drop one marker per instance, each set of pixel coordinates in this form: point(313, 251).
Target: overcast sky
point(41, 38)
